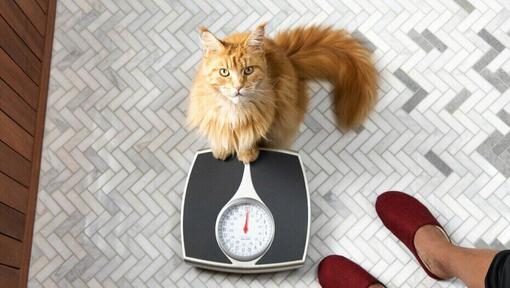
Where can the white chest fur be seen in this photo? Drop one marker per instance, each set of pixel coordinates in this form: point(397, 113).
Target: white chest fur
point(231, 114)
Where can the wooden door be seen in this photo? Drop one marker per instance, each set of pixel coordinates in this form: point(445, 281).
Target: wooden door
point(26, 34)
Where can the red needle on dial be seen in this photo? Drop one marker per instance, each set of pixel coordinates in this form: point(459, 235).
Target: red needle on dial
point(245, 229)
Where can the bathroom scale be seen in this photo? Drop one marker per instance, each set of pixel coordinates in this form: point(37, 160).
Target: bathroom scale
point(246, 218)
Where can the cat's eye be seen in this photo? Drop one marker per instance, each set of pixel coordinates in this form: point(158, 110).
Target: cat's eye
point(224, 72)
point(248, 70)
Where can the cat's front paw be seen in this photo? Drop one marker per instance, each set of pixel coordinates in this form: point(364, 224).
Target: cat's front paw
point(220, 154)
point(247, 156)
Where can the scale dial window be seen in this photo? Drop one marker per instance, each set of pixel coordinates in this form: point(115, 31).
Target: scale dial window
point(245, 230)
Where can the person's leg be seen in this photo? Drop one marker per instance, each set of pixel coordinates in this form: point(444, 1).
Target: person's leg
point(447, 260)
point(499, 271)
point(413, 224)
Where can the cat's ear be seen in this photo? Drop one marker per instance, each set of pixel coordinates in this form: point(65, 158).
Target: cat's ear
point(256, 38)
point(209, 41)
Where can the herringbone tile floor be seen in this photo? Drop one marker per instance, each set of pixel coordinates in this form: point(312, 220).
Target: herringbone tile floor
point(116, 152)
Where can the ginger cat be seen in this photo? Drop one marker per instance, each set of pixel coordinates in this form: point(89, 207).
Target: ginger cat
point(250, 91)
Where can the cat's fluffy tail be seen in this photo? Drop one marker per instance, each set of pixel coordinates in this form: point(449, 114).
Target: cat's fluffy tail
point(327, 54)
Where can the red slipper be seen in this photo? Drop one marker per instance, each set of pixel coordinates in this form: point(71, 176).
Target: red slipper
point(339, 272)
point(403, 215)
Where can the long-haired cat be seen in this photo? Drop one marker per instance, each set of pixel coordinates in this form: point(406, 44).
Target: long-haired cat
point(250, 91)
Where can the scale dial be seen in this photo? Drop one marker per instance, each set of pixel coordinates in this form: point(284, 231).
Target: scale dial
point(245, 229)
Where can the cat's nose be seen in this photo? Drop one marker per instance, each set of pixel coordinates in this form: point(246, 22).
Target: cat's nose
point(237, 91)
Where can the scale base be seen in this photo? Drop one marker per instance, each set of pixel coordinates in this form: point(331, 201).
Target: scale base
point(248, 270)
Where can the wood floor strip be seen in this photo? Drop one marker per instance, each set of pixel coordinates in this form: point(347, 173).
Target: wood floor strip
point(15, 136)
point(14, 106)
point(35, 13)
point(19, 51)
point(12, 223)
point(14, 165)
point(10, 254)
point(14, 76)
point(13, 15)
point(12, 193)
point(9, 277)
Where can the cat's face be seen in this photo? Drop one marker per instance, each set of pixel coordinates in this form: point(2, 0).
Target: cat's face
point(235, 70)
point(236, 75)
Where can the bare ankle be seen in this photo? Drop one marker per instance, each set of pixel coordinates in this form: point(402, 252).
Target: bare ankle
point(433, 248)
point(377, 285)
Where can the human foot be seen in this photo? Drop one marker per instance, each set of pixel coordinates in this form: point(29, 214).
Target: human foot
point(432, 246)
point(404, 215)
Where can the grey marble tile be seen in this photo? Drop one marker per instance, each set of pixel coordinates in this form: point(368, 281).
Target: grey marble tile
point(460, 98)
point(438, 163)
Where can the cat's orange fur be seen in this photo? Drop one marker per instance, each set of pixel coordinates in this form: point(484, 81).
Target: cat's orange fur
point(240, 109)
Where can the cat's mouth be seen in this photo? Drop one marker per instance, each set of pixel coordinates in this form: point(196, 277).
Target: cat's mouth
point(237, 98)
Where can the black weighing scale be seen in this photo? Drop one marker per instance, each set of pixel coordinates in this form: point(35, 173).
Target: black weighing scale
point(246, 218)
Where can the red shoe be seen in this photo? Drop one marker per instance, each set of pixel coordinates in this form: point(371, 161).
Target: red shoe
point(339, 272)
point(403, 215)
